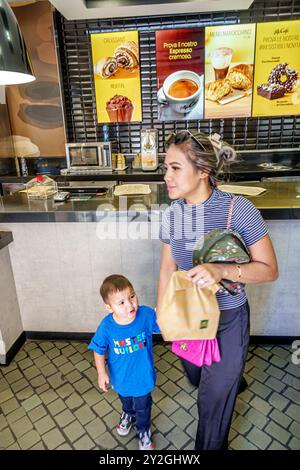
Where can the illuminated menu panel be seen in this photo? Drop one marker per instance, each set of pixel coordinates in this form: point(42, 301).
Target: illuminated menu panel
point(277, 68)
point(229, 59)
point(116, 66)
point(180, 69)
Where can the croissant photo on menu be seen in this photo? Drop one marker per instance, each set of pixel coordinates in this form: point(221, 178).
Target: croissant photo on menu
point(241, 76)
point(106, 67)
point(127, 55)
point(216, 90)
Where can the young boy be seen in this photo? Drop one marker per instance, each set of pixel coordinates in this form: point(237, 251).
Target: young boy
point(127, 335)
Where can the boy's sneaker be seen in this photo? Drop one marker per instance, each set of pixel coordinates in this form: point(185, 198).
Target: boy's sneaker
point(125, 424)
point(145, 442)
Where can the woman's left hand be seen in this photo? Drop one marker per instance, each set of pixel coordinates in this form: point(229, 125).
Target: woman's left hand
point(205, 275)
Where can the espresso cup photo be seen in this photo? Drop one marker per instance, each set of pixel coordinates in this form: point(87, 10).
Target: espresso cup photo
point(181, 90)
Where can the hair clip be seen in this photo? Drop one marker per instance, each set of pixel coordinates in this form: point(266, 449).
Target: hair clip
point(216, 140)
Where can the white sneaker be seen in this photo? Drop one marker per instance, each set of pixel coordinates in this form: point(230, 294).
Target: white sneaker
point(125, 424)
point(145, 442)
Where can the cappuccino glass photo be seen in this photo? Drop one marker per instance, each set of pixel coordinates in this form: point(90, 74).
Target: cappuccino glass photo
point(182, 90)
point(220, 60)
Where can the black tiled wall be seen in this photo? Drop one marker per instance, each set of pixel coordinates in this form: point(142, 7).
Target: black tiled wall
point(74, 52)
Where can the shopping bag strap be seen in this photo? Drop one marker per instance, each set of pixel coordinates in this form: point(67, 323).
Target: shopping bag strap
point(230, 212)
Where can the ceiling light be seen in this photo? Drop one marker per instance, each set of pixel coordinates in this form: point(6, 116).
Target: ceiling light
point(15, 65)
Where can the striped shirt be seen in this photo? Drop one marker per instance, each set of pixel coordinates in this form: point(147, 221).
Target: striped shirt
point(184, 225)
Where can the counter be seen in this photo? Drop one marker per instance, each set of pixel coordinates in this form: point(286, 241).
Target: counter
point(11, 328)
point(5, 239)
point(280, 201)
point(59, 265)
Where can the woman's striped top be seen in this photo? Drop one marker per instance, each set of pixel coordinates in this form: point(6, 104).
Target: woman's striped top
point(183, 225)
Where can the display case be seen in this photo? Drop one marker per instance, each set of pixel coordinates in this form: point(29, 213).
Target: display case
point(41, 187)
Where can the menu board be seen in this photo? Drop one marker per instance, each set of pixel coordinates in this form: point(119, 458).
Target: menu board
point(180, 69)
point(229, 58)
point(117, 76)
point(277, 69)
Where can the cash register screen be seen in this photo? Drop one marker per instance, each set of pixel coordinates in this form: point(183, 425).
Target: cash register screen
point(84, 156)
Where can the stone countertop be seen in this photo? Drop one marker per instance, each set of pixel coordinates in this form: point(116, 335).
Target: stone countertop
point(280, 201)
point(5, 239)
point(18, 208)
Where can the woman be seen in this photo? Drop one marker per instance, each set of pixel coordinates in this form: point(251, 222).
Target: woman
point(192, 165)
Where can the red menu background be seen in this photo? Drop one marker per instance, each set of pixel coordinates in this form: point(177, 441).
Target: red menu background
point(165, 66)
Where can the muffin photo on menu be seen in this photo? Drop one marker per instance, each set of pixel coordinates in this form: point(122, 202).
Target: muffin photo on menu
point(119, 109)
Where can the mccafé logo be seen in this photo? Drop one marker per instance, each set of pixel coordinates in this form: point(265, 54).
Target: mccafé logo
point(281, 31)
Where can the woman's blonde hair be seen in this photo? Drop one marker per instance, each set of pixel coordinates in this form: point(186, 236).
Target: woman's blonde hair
point(208, 154)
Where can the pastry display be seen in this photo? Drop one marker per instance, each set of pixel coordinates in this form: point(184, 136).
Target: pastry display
point(106, 67)
point(241, 76)
point(283, 75)
point(127, 55)
point(119, 109)
point(216, 90)
point(270, 91)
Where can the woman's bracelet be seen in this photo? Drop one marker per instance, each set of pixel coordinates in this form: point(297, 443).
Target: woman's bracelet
point(239, 269)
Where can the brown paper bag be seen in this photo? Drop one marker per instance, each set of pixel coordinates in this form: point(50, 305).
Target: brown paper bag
point(188, 312)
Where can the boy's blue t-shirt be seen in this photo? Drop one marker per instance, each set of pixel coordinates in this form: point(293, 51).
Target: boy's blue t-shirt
point(130, 353)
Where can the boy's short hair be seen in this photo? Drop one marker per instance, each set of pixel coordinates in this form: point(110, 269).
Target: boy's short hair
point(112, 284)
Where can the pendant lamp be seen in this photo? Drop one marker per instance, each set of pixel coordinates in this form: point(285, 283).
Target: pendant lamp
point(15, 65)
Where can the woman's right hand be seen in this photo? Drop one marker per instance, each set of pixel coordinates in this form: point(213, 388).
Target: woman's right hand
point(103, 381)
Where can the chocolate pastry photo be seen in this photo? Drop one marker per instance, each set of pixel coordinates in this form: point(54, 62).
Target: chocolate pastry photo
point(119, 108)
point(282, 75)
point(127, 55)
point(270, 91)
point(106, 67)
point(282, 79)
point(216, 90)
point(241, 76)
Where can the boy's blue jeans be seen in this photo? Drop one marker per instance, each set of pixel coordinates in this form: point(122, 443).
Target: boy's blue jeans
point(140, 408)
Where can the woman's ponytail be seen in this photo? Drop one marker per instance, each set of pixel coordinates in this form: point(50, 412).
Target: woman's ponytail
point(224, 152)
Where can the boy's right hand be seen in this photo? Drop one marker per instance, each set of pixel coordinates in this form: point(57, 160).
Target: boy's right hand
point(103, 381)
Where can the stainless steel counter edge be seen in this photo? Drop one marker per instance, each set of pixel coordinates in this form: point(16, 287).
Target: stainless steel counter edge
point(80, 216)
point(131, 216)
point(5, 239)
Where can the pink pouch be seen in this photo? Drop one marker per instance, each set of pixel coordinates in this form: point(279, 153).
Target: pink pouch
point(199, 351)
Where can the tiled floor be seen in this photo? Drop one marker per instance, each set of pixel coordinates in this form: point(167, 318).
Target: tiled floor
point(49, 400)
